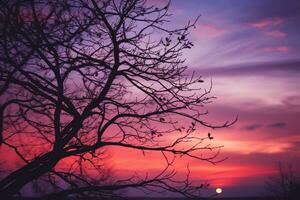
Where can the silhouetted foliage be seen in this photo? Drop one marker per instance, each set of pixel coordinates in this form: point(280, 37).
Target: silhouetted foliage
point(78, 76)
point(285, 185)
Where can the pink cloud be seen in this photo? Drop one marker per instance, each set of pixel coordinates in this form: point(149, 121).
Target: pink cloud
point(282, 49)
point(265, 23)
point(276, 34)
point(208, 31)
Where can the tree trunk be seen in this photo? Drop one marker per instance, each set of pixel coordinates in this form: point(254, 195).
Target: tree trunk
point(15, 181)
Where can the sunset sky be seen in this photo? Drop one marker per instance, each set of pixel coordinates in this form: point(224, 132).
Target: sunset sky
point(250, 50)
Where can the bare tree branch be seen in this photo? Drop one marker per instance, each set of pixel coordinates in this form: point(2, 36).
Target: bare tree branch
point(80, 76)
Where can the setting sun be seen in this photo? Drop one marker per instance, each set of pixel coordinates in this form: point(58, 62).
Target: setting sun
point(219, 190)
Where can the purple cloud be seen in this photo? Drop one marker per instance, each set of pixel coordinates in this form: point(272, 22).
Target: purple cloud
point(277, 125)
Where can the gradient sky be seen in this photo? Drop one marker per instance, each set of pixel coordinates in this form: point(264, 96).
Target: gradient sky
point(250, 50)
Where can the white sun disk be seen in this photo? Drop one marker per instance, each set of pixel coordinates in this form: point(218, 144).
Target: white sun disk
point(219, 190)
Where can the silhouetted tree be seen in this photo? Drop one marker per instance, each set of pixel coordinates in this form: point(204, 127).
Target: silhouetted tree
point(285, 185)
point(78, 76)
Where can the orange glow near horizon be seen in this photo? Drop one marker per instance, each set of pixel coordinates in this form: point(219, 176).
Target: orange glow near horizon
point(224, 174)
